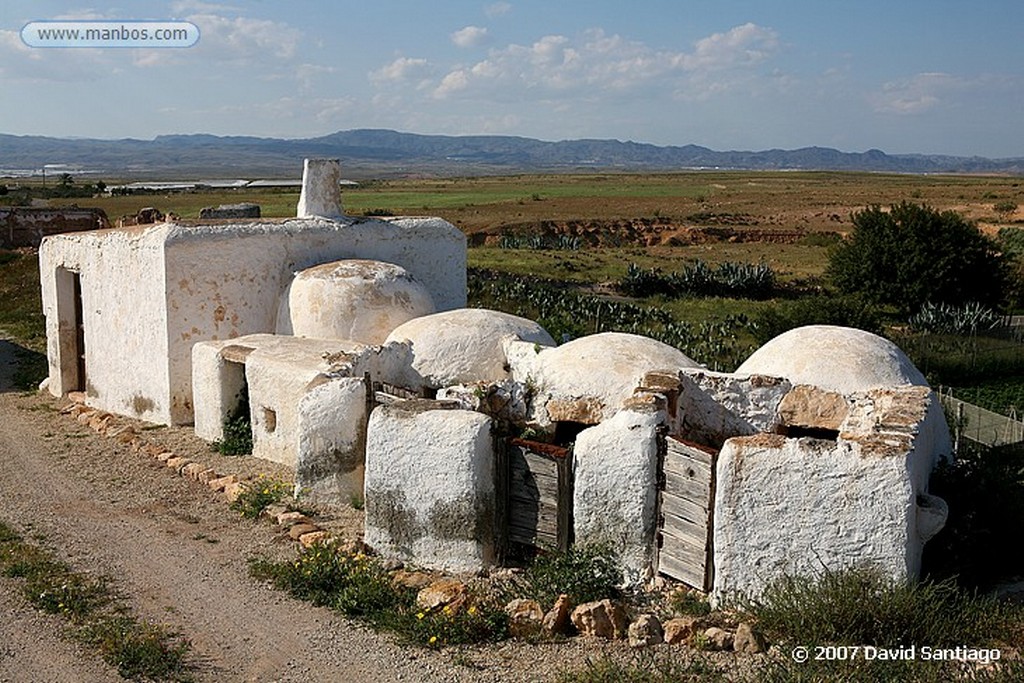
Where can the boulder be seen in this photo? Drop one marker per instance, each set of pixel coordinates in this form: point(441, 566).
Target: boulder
point(603, 619)
point(525, 618)
point(645, 631)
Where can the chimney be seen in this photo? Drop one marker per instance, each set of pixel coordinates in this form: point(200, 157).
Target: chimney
point(321, 192)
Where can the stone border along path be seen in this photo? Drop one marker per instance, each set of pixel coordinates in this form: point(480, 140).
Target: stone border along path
point(299, 527)
point(310, 643)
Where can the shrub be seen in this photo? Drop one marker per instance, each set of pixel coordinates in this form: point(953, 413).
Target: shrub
point(847, 311)
point(253, 500)
point(237, 432)
point(859, 606)
point(982, 542)
point(584, 573)
point(912, 254)
point(739, 280)
point(966, 319)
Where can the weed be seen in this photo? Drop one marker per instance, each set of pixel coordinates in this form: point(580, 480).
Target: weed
point(254, 499)
point(237, 432)
point(356, 501)
point(644, 667)
point(359, 586)
point(860, 606)
point(584, 573)
point(139, 650)
point(688, 602)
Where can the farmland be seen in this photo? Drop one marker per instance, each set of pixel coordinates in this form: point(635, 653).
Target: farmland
point(566, 236)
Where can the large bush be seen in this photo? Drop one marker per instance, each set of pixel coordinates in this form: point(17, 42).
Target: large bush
point(912, 254)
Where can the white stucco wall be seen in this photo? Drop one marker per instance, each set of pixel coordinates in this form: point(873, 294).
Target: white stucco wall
point(793, 506)
point(615, 492)
point(152, 293)
point(122, 290)
point(331, 440)
point(429, 493)
point(714, 406)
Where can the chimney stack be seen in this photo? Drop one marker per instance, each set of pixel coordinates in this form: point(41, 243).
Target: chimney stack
point(321, 191)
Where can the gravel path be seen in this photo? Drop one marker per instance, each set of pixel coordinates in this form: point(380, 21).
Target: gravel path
point(179, 555)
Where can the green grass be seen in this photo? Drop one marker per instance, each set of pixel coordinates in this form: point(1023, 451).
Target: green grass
point(260, 495)
point(859, 607)
point(96, 615)
point(21, 315)
point(644, 667)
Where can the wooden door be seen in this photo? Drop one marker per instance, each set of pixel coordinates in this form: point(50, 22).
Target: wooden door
point(686, 518)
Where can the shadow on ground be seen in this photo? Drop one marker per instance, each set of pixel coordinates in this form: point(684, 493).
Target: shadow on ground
point(21, 369)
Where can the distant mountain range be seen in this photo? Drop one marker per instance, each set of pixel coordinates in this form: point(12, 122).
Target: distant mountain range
point(389, 153)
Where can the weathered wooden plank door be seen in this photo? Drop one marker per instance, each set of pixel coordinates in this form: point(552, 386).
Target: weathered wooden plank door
point(687, 507)
point(537, 490)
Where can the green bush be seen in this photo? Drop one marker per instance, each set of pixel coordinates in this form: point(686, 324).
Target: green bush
point(912, 254)
point(256, 498)
point(237, 432)
point(738, 280)
point(860, 606)
point(584, 573)
point(982, 542)
point(846, 311)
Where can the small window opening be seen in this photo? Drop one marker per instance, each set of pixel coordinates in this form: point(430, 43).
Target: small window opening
point(801, 431)
point(270, 419)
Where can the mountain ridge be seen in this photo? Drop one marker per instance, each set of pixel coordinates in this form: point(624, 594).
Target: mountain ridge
point(385, 151)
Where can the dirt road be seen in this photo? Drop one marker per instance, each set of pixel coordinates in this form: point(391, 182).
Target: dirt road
point(179, 554)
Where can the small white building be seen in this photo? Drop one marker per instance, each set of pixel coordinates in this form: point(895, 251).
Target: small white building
point(124, 307)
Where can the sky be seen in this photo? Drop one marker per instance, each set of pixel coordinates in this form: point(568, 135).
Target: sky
point(903, 76)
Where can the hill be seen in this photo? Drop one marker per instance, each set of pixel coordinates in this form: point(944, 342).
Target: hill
point(386, 152)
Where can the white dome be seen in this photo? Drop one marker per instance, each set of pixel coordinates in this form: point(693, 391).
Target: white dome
point(354, 299)
point(465, 345)
point(604, 367)
point(839, 359)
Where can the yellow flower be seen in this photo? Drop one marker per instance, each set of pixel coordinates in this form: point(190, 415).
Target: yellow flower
point(472, 610)
point(433, 639)
point(420, 615)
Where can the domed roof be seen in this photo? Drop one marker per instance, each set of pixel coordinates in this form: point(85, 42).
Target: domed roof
point(355, 299)
point(605, 367)
point(839, 359)
point(465, 345)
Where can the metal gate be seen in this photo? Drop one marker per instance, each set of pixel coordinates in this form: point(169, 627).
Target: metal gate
point(686, 517)
point(535, 480)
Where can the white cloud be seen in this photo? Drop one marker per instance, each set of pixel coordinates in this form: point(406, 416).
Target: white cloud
point(470, 36)
point(244, 40)
point(916, 94)
point(497, 9)
point(597, 63)
point(403, 70)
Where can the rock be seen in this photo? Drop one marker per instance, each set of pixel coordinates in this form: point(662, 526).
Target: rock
point(525, 618)
point(809, 406)
point(292, 517)
point(177, 463)
point(603, 619)
point(207, 475)
point(233, 490)
point(85, 416)
point(449, 593)
point(557, 621)
point(192, 470)
point(164, 456)
point(299, 530)
point(220, 483)
point(679, 630)
point(748, 640)
point(77, 397)
point(413, 580)
point(718, 639)
point(313, 538)
point(646, 630)
point(127, 436)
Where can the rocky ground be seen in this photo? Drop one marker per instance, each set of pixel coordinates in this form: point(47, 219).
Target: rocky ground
point(179, 555)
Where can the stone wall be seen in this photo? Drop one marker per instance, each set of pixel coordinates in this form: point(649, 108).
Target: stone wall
point(23, 226)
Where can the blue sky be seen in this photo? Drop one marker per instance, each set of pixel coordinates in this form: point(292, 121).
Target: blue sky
point(904, 76)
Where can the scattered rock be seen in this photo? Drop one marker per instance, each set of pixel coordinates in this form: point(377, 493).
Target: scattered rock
point(603, 619)
point(164, 456)
point(192, 470)
point(220, 483)
point(646, 630)
point(679, 630)
point(442, 593)
point(525, 618)
point(290, 517)
point(718, 639)
point(85, 415)
point(413, 580)
point(233, 490)
point(314, 537)
point(558, 620)
point(299, 530)
point(177, 463)
point(77, 397)
point(748, 640)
